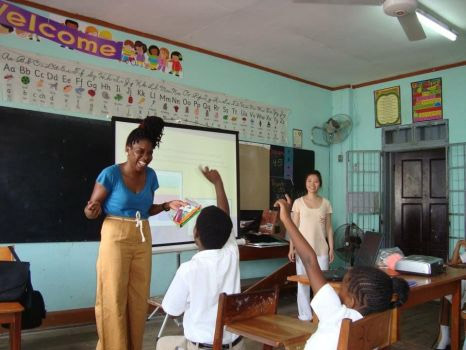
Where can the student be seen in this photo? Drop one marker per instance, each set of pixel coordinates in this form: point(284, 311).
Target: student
point(443, 341)
point(364, 290)
point(198, 283)
point(125, 192)
point(312, 214)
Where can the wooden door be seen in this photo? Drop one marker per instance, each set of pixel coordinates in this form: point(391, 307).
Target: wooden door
point(420, 203)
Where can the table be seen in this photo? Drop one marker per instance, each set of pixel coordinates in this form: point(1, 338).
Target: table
point(274, 330)
point(427, 288)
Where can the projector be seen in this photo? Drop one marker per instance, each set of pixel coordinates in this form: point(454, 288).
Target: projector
point(420, 265)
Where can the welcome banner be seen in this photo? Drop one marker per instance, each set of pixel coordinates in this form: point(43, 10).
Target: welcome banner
point(64, 34)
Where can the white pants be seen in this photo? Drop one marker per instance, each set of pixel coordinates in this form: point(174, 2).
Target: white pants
point(304, 291)
point(178, 342)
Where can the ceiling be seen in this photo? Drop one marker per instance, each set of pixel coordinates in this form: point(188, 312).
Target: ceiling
point(325, 42)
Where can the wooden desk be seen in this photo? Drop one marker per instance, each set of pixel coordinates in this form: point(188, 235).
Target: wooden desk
point(274, 330)
point(253, 253)
point(427, 288)
point(10, 313)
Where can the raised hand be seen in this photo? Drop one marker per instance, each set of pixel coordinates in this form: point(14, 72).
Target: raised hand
point(211, 174)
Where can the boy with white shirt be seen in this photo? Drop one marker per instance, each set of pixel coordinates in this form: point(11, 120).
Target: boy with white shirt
point(198, 283)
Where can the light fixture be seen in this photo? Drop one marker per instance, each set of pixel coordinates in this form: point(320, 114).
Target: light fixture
point(435, 24)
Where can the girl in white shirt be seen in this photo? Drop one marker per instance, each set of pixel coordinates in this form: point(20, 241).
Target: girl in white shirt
point(312, 214)
point(364, 290)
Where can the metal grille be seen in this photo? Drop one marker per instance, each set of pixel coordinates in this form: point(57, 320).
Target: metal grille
point(457, 192)
point(363, 189)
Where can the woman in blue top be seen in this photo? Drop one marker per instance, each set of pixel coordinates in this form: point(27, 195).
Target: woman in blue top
point(125, 192)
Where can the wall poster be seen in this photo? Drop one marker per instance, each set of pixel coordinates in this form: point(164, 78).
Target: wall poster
point(387, 106)
point(427, 100)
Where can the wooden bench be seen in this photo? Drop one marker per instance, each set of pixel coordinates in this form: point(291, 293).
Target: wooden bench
point(10, 312)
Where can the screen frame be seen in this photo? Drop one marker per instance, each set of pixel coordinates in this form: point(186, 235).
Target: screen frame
point(197, 128)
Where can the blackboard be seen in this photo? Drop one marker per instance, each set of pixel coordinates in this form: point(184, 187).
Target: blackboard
point(288, 170)
point(48, 168)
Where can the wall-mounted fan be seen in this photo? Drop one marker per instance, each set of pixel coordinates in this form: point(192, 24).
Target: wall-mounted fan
point(404, 10)
point(347, 240)
point(334, 130)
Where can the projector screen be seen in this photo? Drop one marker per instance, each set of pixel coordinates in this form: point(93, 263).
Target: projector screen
point(176, 162)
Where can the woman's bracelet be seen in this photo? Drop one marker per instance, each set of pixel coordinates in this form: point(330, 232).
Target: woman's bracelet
point(165, 207)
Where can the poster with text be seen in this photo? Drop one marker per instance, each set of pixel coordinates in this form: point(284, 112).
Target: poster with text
point(427, 100)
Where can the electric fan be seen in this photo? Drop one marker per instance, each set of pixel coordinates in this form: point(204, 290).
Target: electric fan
point(347, 240)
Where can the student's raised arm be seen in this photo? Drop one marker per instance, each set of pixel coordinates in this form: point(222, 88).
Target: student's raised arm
point(214, 177)
point(304, 250)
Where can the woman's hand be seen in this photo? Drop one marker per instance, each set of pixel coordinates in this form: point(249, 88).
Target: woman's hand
point(291, 254)
point(93, 209)
point(176, 204)
point(331, 256)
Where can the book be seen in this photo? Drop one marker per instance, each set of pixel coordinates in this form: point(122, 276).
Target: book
point(186, 213)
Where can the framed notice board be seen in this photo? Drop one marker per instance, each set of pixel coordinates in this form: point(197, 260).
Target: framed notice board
point(48, 169)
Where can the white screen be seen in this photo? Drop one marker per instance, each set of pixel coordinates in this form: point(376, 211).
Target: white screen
point(176, 163)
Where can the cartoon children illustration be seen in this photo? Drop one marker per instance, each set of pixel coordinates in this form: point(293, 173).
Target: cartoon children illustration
point(140, 49)
point(73, 25)
point(153, 57)
point(163, 59)
point(176, 64)
point(91, 30)
point(127, 53)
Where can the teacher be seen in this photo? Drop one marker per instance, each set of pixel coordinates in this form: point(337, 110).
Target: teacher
point(125, 192)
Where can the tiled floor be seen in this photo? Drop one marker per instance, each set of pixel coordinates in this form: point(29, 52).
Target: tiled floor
point(419, 325)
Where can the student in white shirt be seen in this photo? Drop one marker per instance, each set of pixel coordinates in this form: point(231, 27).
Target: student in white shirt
point(443, 341)
point(364, 290)
point(198, 283)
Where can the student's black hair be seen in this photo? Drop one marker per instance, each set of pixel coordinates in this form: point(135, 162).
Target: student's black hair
point(150, 129)
point(176, 53)
point(213, 226)
point(316, 173)
point(373, 289)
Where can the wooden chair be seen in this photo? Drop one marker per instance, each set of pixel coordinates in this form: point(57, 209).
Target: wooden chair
point(10, 312)
point(237, 307)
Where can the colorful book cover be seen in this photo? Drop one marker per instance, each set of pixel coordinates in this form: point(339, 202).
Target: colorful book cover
point(186, 213)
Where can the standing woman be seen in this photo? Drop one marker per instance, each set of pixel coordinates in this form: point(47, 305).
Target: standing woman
point(125, 192)
point(312, 214)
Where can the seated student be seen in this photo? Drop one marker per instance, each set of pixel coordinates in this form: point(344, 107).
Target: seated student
point(364, 290)
point(198, 283)
point(443, 341)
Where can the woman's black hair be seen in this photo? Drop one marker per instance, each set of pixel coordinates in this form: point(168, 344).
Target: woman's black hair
point(316, 173)
point(150, 129)
point(375, 291)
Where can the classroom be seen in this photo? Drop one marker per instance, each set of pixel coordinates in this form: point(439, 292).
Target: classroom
point(280, 74)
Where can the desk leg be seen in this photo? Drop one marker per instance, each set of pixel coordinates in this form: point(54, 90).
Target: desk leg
point(455, 317)
point(15, 332)
point(395, 326)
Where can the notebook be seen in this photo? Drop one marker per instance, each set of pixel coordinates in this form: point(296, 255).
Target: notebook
point(366, 256)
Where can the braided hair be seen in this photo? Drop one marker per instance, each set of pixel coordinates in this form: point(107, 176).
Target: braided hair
point(150, 129)
point(373, 289)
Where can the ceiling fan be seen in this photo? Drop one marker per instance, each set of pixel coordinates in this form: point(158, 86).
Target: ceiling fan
point(404, 10)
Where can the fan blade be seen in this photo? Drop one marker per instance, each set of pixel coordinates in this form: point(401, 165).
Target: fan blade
point(340, 2)
point(412, 27)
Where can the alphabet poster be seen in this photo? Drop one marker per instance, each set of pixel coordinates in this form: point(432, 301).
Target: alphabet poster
point(71, 86)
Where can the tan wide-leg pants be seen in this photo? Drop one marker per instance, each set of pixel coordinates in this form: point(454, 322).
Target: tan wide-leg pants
point(123, 282)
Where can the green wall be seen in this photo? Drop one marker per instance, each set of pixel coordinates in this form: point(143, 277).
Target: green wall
point(65, 272)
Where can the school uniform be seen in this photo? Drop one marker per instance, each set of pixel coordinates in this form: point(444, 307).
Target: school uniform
point(327, 305)
point(194, 291)
point(124, 262)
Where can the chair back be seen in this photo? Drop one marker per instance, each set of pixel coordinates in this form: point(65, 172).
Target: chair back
point(5, 254)
point(369, 333)
point(241, 306)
